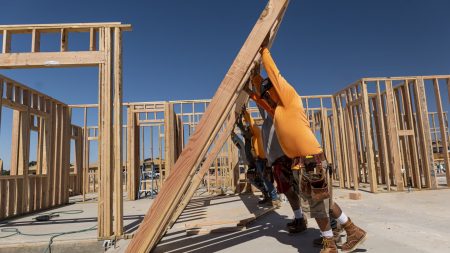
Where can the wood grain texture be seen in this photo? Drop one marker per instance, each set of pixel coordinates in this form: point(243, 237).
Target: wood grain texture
point(156, 221)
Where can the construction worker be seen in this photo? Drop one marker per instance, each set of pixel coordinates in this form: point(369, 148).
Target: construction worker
point(247, 158)
point(298, 142)
point(283, 173)
point(256, 162)
point(281, 165)
point(261, 161)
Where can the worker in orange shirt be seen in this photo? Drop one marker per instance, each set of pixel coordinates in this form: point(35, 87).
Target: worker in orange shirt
point(300, 144)
point(282, 170)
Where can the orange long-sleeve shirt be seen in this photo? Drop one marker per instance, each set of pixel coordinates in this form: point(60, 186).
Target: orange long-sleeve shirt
point(291, 125)
point(257, 142)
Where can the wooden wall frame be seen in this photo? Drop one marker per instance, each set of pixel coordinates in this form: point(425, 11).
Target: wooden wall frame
point(107, 55)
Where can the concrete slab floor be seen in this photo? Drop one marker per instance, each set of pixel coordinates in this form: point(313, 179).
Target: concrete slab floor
point(75, 216)
point(396, 222)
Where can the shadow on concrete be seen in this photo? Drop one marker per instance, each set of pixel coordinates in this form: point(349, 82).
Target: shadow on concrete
point(60, 221)
point(271, 225)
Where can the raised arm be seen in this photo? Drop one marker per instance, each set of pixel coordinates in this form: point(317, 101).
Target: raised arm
point(279, 83)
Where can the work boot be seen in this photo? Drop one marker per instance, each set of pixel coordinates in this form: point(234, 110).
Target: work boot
point(318, 242)
point(275, 203)
point(293, 222)
point(355, 236)
point(329, 246)
point(265, 200)
point(298, 226)
point(290, 224)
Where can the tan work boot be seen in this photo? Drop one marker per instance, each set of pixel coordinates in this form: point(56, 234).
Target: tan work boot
point(355, 236)
point(329, 246)
point(275, 203)
point(318, 242)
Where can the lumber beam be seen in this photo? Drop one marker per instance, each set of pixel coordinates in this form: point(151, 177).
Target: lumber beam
point(154, 224)
point(368, 139)
point(51, 59)
point(169, 140)
point(337, 138)
point(443, 129)
point(118, 189)
point(105, 203)
point(393, 138)
point(411, 138)
point(423, 125)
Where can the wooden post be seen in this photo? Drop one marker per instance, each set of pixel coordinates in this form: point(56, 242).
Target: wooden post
point(424, 133)
point(92, 39)
point(393, 137)
point(118, 190)
point(14, 170)
point(384, 149)
point(24, 149)
point(443, 130)
point(132, 154)
point(6, 42)
point(169, 139)
point(106, 142)
point(35, 41)
point(64, 40)
point(411, 139)
point(337, 138)
point(85, 156)
point(349, 123)
point(368, 140)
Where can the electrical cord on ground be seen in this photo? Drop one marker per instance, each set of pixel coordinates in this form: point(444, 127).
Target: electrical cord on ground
point(16, 231)
point(49, 216)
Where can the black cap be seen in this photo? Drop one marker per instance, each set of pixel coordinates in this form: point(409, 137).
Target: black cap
point(266, 84)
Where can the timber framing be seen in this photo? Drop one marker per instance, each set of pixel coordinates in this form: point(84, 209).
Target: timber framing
point(103, 51)
point(379, 134)
point(388, 140)
point(47, 184)
point(154, 224)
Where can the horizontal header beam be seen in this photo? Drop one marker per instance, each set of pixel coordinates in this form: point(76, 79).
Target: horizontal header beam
point(51, 59)
point(71, 26)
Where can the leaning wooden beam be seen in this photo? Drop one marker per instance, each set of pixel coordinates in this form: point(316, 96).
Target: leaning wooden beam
point(154, 223)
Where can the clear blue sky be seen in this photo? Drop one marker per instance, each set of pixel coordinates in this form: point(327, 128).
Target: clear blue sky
point(181, 49)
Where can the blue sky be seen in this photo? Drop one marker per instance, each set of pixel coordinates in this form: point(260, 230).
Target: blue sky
point(182, 49)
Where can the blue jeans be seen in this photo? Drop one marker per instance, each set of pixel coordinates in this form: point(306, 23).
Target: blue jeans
point(268, 185)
